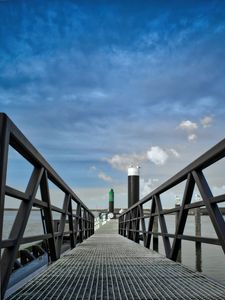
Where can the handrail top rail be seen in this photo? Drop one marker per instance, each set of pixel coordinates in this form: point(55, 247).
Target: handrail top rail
point(205, 160)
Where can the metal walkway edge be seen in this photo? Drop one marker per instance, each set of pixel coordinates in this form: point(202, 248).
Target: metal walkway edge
point(109, 266)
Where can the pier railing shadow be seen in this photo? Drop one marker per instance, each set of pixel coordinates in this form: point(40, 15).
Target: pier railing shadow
point(136, 225)
point(81, 221)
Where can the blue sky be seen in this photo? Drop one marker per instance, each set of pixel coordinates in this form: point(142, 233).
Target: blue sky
point(98, 85)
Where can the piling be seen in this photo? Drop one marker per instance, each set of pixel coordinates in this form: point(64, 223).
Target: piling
point(155, 236)
point(177, 205)
point(111, 201)
point(133, 185)
point(198, 245)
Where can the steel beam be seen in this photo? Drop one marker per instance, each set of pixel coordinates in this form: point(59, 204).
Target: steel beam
point(47, 211)
point(150, 223)
point(212, 208)
point(163, 226)
point(18, 228)
point(62, 223)
point(189, 188)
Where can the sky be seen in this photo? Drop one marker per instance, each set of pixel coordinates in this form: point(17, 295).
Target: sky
point(99, 85)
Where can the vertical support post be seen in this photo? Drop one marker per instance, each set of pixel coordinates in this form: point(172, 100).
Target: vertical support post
point(122, 225)
point(155, 239)
point(88, 225)
point(176, 226)
point(143, 224)
point(81, 237)
point(129, 226)
point(212, 208)
point(125, 226)
point(62, 223)
point(198, 245)
point(71, 225)
point(137, 225)
point(162, 222)
point(45, 195)
point(124, 219)
point(151, 223)
point(77, 223)
point(119, 222)
point(4, 146)
point(85, 224)
point(93, 225)
point(187, 196)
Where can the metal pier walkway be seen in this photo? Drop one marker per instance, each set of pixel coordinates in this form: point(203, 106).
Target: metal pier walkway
point(109, 266)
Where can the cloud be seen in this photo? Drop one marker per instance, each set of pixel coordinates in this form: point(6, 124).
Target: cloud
point(122, 162)
point(146, 186)
point(102, 116)
point(188, 125)
point(104, 177)
point(157, 155)
point(100, 174)
point(192, 137)
point(206, 121)
point(174, 152)
point(93, 168)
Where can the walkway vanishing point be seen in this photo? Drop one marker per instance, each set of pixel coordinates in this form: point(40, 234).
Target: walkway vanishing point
point(108, 263)
point(108, 266)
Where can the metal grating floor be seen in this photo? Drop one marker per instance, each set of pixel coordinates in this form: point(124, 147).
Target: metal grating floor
point(109, 266)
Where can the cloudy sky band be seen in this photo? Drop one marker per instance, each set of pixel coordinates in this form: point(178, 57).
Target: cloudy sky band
point(109, 84)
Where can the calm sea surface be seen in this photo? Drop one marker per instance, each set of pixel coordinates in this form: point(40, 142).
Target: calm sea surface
point(213, 258)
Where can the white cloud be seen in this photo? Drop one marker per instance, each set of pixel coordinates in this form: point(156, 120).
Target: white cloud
point(93, 168)
point(206, 121)
point(192, 137)
point(174, 152)
point(155, 180)
point(157, 155)
point(190, 128)
point(122, 162)
point(145, 187)
point(188, 125)
point(104, 177)
point(97, 94)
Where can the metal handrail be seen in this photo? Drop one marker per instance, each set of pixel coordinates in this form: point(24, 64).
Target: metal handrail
point(132, 222)
point(81, 223)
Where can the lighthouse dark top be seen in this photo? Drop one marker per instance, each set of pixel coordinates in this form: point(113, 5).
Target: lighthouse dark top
point(133, 185)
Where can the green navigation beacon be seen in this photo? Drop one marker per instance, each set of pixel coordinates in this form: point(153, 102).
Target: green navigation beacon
point(111, 202)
